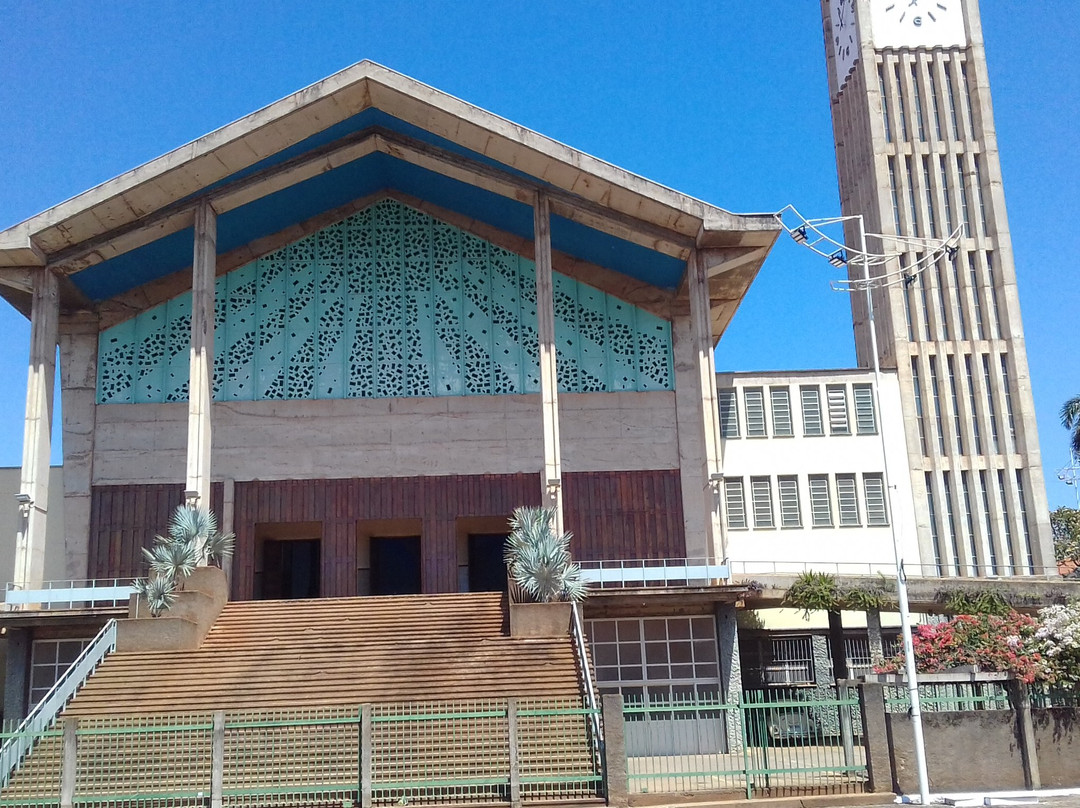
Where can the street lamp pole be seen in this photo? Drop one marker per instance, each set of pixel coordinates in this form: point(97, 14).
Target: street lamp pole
point(901, 576)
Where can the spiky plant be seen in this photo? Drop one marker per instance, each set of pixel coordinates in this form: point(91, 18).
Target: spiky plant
point(171, 560)
point(539, 561)
point(159, 593)
point(198, 527)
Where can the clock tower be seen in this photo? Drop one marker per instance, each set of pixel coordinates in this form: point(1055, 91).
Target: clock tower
point(917, 155)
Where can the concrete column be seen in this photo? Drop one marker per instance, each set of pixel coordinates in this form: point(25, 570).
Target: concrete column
point(70, 762)
point(875, 737)
point(616, 783)
point(365, 756)
point(819, 647)
point(515, 763)
point(78, 390)
point(201, 382)
point(731, 683)
point(874, 636)
point(37, 433)
point(837, 646)
point(17, 674)
point(1020, 701)
point(549, 378)
point(217, 760)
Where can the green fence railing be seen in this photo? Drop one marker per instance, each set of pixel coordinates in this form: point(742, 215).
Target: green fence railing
point(375, 755)
point(769, 743)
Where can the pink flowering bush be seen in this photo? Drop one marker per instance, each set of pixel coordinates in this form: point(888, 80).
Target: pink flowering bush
point(992, 642)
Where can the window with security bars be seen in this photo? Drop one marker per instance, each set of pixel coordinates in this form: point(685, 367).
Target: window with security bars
point(729, 413)
point(865, 417)
point(788, 489)
point(754, 401)
point(836, 397)
point(860, 662)
point(761, 494)
point(735, 503)
point(820, 501)
point(874, 494)
point(780, 399)
point(655, 659)
point(49, 660)
point(791, 661)
point(847, 500)
point(811, 411)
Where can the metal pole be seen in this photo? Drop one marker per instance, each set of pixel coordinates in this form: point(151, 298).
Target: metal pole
point(901, 577)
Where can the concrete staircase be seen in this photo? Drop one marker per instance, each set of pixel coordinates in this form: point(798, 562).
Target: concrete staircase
point(263, 658)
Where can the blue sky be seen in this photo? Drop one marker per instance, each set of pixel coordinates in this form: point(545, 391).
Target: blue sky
point(723, 100)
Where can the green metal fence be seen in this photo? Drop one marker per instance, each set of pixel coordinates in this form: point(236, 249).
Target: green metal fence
point(769, 743)
point(949, 697)
point(376, 755)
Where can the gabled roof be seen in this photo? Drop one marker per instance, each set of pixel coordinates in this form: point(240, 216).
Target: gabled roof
point(361, 133)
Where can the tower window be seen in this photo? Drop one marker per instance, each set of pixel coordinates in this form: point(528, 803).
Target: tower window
point(811, 411)
point(780, 399)
point(754, 400)
point(729, 413)
point(874, 491)
point(838, 411)
point(820, 501)
point(788, 488)
point(761, 493)
point(865, 422)
point(735, 503)
point(847, 500)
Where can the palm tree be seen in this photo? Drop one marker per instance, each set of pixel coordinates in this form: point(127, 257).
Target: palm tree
point(1070, 419)
point(539, 560)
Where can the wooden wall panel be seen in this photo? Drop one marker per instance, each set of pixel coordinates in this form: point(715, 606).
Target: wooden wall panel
point(125, 518)
point(625, 514)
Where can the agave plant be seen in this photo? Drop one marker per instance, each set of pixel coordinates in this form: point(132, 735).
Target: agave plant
point(159, 593)
point(539, 561)
point(193, 539)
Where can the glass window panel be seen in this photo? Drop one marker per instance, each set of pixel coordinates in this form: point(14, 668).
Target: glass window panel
point(847, 499)
point(678, 628)
point(865, 420)
point(681, 652)
point(820, 501)
point(874, 490)
point(682, 671)
point(754, 400)
point(603, 630)
point(734, 503)
point(656, 652)
point(729, 414)
point(605, 655)
point(788, 488)
point(704, 651)
point(656, 671)
point(811, 411)
point(761, 491)
point(655, 629)
point(780, 399)
point(629, 630)
point(706, 669)
point(630, 654)
point(838, 412)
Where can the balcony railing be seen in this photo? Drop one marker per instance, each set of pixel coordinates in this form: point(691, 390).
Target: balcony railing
point(888, 569)
point(97, 593)
point(654, 572)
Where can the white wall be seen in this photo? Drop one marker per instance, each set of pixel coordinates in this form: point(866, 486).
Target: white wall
point(10, 518)
point(801, 456)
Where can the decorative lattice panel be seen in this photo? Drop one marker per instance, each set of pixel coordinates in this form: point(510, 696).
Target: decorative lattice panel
point(387, 303)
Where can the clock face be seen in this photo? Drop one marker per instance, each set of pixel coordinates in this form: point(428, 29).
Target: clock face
point(845, 43)
point(917, 23)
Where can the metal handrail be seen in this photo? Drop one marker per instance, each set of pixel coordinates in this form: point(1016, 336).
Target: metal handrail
point(590, 688)
point(972, 571)
point(46, 710)
point(90, 592)
point(654, 571)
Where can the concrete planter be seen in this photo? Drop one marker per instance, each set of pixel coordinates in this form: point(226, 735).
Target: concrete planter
point(157, 634)
point(185, 625)
point(539, 620)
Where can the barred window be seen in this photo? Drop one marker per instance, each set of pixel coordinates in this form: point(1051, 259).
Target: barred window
point(788, 488)
point(811, 411)
point(847, 499)
point(729, 414)
point(780, 399)
point(820, 501)
point(761, 491)
point(838, 412)
point(754, 401)
point(874, 491)
point(865, 417)
point(735, 503)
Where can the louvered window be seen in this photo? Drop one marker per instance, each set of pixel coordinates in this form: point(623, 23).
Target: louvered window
point(811, 411)
point(761, 491)
point(865, 420)
point(820, 502)
point(838, 414)
point(874, 490)
point(735, 503)
point(781, 412)
point(729, 414)
point(754, 401)
point(847, 499)
point(788, 488)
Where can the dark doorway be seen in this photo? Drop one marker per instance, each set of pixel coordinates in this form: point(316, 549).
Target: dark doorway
point(395, 565)
point(290, 569)
point(487, 571)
